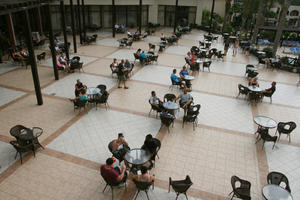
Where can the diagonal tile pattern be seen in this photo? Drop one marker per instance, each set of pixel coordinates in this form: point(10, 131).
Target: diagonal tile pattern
point(8, 95)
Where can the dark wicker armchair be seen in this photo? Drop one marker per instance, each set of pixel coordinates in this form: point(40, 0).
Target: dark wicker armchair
point(264, 135)
point(166, 121)
point(207, 65)
point(180, 186)
point(243, 191)
point(103, 99)
point(192, 115)
point(285, 128)
point(278, 178)
point(154, 108)
point(169, 97)
point(143, 186)
point(79, 104)
point(242, 90)
point(21, 148)
point(112, 184)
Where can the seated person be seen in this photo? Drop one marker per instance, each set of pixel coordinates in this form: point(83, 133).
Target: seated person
point(177, 80)
point(110, 173)
point(166, 114)
point(17, 57)
point(270, 90)
point(117, 27)
point(183, 72)
point(82, 96)
point(144, 177)
point(122, 72)
point(128, 65)
point(122, 28)
point(185, 100)
point(24, 53)
point(62, 60)
point(137, 34)
point(129, 34)
point(115, 65)
point(79, 86)
point(254, 82)
point(144, 56)
point(156, 102)
point(188, 57)
point(120, 146)
point(179, 28)
point(138, 52)
point(150, 145)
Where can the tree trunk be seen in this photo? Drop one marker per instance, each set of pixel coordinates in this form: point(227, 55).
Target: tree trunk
point(259, 20)
point(284, 8)
point(226, 17)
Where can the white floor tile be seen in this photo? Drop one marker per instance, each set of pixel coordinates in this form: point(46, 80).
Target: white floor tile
point(7, 157)
point(123, 54)
point(7, 66)
point(178, 50)
point(8, 95)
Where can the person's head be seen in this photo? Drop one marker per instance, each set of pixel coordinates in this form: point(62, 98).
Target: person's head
point(109, 161)
point(83, 91)
point(127, 61)
point(115, 60)
point(184, 67)
point(149, 137)
point(122, 61)
point(254, 79)
point(120, 135)
point(153, 93)
point(62, 53)
point(56, 38)
point(143, 51)
point(144, 169)
point(78, 81)
point(174, 71)
point(139, 50)
point(273, 83)
point(189, 53)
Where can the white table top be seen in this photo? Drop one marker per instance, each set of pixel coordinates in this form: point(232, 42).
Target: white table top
point(252, 68)
point(92, 91)
point(188, 77)
point(264, 121)
point(254, 88)
point(171, 105)
point(275, 192)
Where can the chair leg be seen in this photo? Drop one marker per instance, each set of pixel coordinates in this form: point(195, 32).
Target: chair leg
point(137, 194)
point(21, 157)
point(289, 137)
point(186, 196)
point(16, 155)
point(273, 145)
point(177, 194)
point(150, 112)
point(263, 145)
point(147, 195)
point(104, 188)
point(112, 193)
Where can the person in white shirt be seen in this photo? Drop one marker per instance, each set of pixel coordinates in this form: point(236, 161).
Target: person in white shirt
point(115, 64)
point(129, 34)
point(62, 60)
point(156, 102)
point(185, 100)
point(188, 57)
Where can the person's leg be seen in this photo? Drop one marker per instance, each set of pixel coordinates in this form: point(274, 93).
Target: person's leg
point(119, 82)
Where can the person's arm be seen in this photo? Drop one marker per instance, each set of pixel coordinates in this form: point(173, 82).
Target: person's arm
point(120, 177)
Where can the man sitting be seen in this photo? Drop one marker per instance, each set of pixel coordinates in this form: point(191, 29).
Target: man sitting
point(188, 57)
point(271, 90)
point(185, 100)
point(177, 80)
point(120, 146)
point(144, 57)
point(79, 87)
point(129, 67)
point(114, 174)
point(144, 176)
point(156, 102)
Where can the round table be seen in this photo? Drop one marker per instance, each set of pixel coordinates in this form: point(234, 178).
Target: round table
point(275, 192)
point(252, 68)
point(92, 91)
point(261, 52)
point(171, 105)
point(30, 133)
point(254, 88)
point(137, 156)
point(265, 122)
point(188, 77)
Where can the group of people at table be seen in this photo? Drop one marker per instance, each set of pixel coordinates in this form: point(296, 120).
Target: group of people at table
point(119, 174)
point(253, 86)
point(122, 69)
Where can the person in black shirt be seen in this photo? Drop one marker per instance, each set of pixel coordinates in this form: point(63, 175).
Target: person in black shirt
point(122, 74)
point(79, 87)
point(270, 90)
point(150, 145)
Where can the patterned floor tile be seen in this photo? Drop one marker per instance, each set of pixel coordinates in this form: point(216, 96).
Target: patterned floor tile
point(88, 138)
point(7, 158)
point(7, 66)
point(8, 95)
point(66, 87)
point(285, 159)
point(178, 50)
point(123, 54)
point(111, 42)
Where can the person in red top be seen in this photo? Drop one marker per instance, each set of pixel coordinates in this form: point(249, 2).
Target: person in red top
point(110, 173)
point(193, 59)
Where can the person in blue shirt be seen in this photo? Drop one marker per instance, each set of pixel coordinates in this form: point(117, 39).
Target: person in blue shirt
point(82, 96)
point(177, 80)
point(183, 72)
point(144, 57)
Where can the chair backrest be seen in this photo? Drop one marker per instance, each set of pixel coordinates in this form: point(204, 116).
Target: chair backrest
point(193, 110)
point(173, 82)
point(80, 103)
point(110, 146)
point(16, 130)
point(110, 182)
point(167, 121)
point(181, 186)
point(277, 178)
point(101, 87)
point(158, 144)
point(152, 106)
point(286, 127)
point(207, 64)
point(243, 89)
point(76, 58)
point(129, 43)
point(136, 56)
point(142, 185)
point(169, 97)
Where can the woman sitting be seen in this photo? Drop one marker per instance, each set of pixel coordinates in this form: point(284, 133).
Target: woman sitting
point(183, 72)
point(82, 96)
point(62, 62)
point(254, 82)
point(144, 177)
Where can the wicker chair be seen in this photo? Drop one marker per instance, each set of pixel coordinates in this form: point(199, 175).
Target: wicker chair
point(242, 90)
point(79, 104)
point(169, 97)
point(21, 148)
point(153, 108)
point(180, 186)
point(278, 178)
point(192, 115)
point(243, 191)
point(166, 121)
point(264, 135)
point(16, 130)
point(285, 128)
point(143, 186)
point(103, 99)
point(207, 65)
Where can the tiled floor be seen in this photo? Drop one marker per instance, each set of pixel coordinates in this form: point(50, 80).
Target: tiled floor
point(62, 88)
point(8, 95)
point(85, 59)
point(88, 137)
point(75, 143)
point(285, 159)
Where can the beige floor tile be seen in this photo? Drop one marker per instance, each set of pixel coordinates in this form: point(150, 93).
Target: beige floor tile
point(50, 116)
point(22, 78)
point(171, 60)
point(96, 50)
